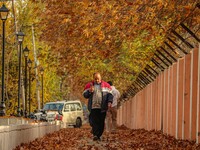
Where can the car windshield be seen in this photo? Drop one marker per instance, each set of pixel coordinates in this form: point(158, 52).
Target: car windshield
point(53, 106)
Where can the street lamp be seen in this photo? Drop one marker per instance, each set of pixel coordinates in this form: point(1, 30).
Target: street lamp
point(29, 66)
point(42, 73)
point(3, 14)
point(26, 52)
point(20, 38)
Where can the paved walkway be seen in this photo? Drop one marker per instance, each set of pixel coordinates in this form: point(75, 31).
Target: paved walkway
point(123, 139)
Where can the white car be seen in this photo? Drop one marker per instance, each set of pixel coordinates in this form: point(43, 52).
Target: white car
point(72, 113)
point(68, 112)
point(37, 115)
point(50, 110)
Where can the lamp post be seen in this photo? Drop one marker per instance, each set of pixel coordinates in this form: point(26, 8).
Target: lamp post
point(4, 14)
point(42, 73)
point(20, 38)
point(29, 66)
point(26, 52)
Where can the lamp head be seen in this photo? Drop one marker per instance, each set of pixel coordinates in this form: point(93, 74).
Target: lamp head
point(26, 51)
point(4, 12)
point(42, 70)
point(29, 63)
point(20, 36)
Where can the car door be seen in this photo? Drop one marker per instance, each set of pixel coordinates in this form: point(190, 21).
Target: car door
point(73, 113)
point(79, 111)
point(66, 114)
point(69, 113)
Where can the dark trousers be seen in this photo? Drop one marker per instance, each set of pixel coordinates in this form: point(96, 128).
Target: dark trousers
point(98, 119)
point(90, 120)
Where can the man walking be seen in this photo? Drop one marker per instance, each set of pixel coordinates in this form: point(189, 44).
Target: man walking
point(98, 93)
point(111, 118)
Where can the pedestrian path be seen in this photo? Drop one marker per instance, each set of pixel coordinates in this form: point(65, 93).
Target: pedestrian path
point(123, 139)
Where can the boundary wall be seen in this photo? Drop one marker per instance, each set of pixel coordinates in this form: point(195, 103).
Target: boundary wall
point(13, 135)
point(170, 103)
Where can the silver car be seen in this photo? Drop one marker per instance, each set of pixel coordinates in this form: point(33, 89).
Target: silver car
point(50, 111)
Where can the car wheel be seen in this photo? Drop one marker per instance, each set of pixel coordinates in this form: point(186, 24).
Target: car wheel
point(78, 123)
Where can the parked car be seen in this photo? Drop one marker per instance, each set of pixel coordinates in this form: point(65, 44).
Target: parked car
point(50, 110)
point(37, 115)
point(72, 113)
point(85, 113)
point(68, 112)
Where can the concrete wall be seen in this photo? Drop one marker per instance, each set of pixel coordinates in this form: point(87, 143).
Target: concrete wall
point(14, 121)
point(13, 135)
point(170, 103)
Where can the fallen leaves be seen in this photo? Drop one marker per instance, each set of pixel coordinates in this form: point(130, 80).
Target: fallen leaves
point(124, 138)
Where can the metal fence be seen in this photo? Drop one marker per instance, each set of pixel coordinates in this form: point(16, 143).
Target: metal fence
point(170, 103)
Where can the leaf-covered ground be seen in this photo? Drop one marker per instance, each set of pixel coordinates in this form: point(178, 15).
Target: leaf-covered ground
point(123, 139)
